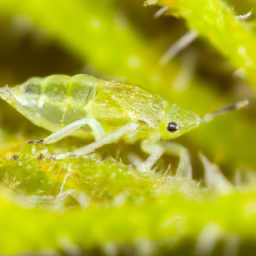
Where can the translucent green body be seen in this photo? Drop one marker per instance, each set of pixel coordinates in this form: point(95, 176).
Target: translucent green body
point(58, 100)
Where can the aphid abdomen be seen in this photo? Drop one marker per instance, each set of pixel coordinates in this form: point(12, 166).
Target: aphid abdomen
point(81, 89)
point(55, 101)
point(33, 86)
point(80, 92)
point(42, 100)
point(54, 89)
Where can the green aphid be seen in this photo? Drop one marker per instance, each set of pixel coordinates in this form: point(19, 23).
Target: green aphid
point(84, 105)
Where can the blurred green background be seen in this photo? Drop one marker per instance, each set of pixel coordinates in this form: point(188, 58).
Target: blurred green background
point(121, 40)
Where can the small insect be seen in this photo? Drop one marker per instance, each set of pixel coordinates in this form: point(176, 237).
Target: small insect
point(83, 105)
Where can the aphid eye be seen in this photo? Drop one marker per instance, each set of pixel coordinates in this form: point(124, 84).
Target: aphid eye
point(172, 127)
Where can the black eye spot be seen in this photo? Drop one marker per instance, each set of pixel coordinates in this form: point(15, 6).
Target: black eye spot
point(172, 127)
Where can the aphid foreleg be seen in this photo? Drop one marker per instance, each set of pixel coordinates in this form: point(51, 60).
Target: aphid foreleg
point(97, 131)
point(156, 150)
point(184, 169)
point(110, 138)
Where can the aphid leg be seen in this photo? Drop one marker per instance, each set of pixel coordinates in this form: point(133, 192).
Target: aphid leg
point(97, 131)
point(156, 152)
point(112, 137)
point(184, 169)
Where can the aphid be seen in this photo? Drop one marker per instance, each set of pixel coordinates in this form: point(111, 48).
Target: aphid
point(84, 105)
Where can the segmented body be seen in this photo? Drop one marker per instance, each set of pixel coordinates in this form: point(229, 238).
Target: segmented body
point(107, 110)
point(56, 101)
point(59, 100)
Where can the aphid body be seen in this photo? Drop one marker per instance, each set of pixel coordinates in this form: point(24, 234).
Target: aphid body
point(56, 101)
point(84, 105)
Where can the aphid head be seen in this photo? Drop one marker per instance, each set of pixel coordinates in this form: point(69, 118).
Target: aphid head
point(178, 121)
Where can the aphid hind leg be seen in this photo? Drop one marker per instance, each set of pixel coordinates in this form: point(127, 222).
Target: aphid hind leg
point(97, 131)
point(110, 138)
point(184, 168)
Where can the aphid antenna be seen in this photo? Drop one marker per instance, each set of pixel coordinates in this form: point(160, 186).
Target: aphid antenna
point(208, 117)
